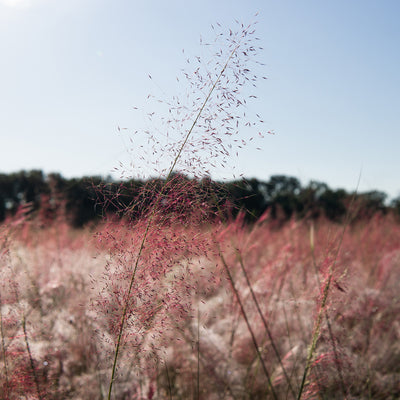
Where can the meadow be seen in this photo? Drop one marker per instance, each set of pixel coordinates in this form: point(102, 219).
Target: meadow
point(177, 297)
point(189, 333)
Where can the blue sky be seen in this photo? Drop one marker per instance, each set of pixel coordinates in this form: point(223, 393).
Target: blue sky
point(71, 72)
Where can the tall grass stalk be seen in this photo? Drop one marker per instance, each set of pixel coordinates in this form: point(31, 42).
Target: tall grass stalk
point(259, 311)
point(198, 353)
point(169, 386)
point(325, 293)
point(266, 327)
point(154, 210)
point(250, 329)
point(328, 322)
point(31, 360)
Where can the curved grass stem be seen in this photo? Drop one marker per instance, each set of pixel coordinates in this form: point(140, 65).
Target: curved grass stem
point(266, 326)
point(243, 311)
point(152, 215)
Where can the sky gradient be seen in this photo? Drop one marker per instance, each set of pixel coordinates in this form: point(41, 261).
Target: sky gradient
point(71, 72)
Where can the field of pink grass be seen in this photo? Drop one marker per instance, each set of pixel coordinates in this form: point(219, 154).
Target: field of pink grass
point(186, 335)
point(175, 300)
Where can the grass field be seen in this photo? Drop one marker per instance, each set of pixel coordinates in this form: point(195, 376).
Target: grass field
point(175, 300)
point(186, 335)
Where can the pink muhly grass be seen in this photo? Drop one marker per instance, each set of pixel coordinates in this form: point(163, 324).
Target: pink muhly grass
point(217, 101)
point(185, 335)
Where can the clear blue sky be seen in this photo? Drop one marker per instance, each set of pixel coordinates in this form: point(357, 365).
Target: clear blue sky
point(71, 71)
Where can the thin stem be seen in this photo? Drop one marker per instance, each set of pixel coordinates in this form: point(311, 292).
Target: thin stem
point(150, 220)
point(32, 363)
point(255, 343)
point(125, 310)
point(335, 352)
point(315, 337)
point(264, 321)
point(198, 352)
point(322, 310)
point(201, 111)
point(169, 381)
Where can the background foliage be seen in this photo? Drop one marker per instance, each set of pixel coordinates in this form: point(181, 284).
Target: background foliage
point(84, 200)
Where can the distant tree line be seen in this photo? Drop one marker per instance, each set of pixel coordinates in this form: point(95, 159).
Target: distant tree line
point(84, 200)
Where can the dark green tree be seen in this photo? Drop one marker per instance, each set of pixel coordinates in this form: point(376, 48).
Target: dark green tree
point(333, 203)
point(247, 195)
point(281, 193)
